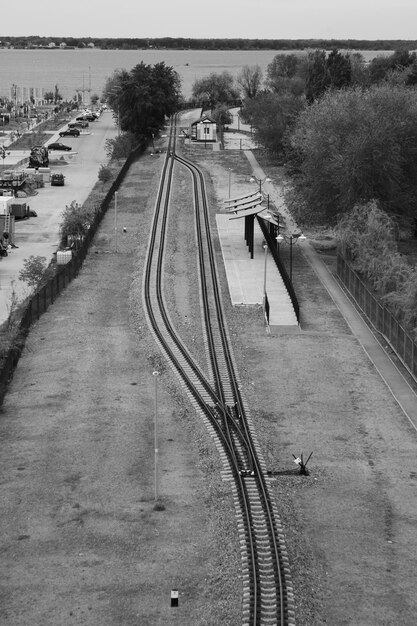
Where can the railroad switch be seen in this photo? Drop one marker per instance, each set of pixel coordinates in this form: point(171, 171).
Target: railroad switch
point(299, 460)
point(247, 472)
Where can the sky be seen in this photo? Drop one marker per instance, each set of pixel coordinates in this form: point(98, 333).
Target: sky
point(253, 19)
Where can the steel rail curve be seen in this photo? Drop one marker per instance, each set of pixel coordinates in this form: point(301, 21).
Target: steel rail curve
point(218, 397)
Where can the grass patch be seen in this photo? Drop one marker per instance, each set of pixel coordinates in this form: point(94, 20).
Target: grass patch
point(26, 141)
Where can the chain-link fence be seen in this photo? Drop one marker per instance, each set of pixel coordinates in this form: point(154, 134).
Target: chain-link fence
point(379, 316)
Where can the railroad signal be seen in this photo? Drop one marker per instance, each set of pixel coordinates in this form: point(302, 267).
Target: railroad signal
point(299, 460)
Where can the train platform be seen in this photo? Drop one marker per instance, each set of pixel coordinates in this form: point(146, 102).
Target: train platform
point(248, 278)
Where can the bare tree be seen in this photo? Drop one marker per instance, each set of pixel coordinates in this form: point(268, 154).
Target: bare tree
point(250, 80)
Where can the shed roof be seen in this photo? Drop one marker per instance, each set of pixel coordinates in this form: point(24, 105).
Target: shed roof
point(204, 119)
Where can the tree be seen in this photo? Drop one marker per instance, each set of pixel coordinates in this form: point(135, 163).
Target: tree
point(35, 271)
point(353, 146)
point(221, 115)
point(339, 69)
point(412, 74)
point(250, 80)
point(142, 98)
point(402, 58)
point(286, 74)
point(368, 235)
point(317, 75)
point(57, 95)
point(282, 66)
point(359, 70)
point(215, 89)
point(272, 115)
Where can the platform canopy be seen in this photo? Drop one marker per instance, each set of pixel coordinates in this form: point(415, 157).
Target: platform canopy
point(248, 212)
point(244, 206)
point(250, 197)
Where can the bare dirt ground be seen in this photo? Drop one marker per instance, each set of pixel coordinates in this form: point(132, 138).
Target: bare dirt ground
point(82, 542)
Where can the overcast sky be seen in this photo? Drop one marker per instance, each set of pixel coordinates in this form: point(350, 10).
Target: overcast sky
point(254, 19)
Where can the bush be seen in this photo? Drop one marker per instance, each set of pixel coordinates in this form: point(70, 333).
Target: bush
point(105, 174)
point(76, 221)
point(369, 236)
point(120, 147)
point(35, 271)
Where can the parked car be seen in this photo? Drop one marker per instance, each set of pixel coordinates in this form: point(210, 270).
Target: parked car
point(79, 124)
point(86, 118)
point(59, 146)
point(57, 180)
point(70, 132)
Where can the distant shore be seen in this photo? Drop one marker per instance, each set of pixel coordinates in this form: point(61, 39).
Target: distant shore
point(181, 43)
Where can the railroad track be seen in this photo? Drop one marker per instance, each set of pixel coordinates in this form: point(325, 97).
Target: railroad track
point(267, 591)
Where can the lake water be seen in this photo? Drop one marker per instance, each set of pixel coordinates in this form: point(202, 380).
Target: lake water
point(87, 69)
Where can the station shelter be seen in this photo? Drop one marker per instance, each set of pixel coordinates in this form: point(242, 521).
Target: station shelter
point(204, 129)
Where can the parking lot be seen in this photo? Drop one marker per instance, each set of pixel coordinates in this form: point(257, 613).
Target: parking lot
point(39, 236)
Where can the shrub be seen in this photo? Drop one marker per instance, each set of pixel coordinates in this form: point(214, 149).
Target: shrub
point(369, 236)
point(105, 174)
point(35, 271)
point(76, 221)
point(120, 147)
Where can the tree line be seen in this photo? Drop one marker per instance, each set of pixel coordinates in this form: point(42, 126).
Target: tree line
point(188, 43)
point(346, 132)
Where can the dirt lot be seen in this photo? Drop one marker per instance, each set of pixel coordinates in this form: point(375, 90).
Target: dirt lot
point(82, 542)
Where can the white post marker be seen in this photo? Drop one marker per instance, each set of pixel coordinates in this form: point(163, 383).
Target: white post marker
point(155, 375)
point(174, 597)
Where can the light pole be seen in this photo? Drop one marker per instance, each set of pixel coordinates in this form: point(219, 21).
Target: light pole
point(3, 155)
point(265, 264)
point(230, 177)
point(115, 221)
point(155, 375)
point(294, 237)
point(205, 135)
point(260, 181)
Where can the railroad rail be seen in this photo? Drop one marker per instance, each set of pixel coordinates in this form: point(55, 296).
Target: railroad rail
point(267, 596)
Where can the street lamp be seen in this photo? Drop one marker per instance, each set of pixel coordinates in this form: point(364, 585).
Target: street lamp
point(3, 155)
point(115, 221)
point(230, 176)
point(205, 134)
point(260, 181)
point(265, 263)
point(294, 237)
point(155, 375)
point(115, 92)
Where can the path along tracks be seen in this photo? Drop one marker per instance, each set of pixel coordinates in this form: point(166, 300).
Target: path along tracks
point(267, 591)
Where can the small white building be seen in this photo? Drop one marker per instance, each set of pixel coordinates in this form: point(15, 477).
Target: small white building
point(204, 129)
